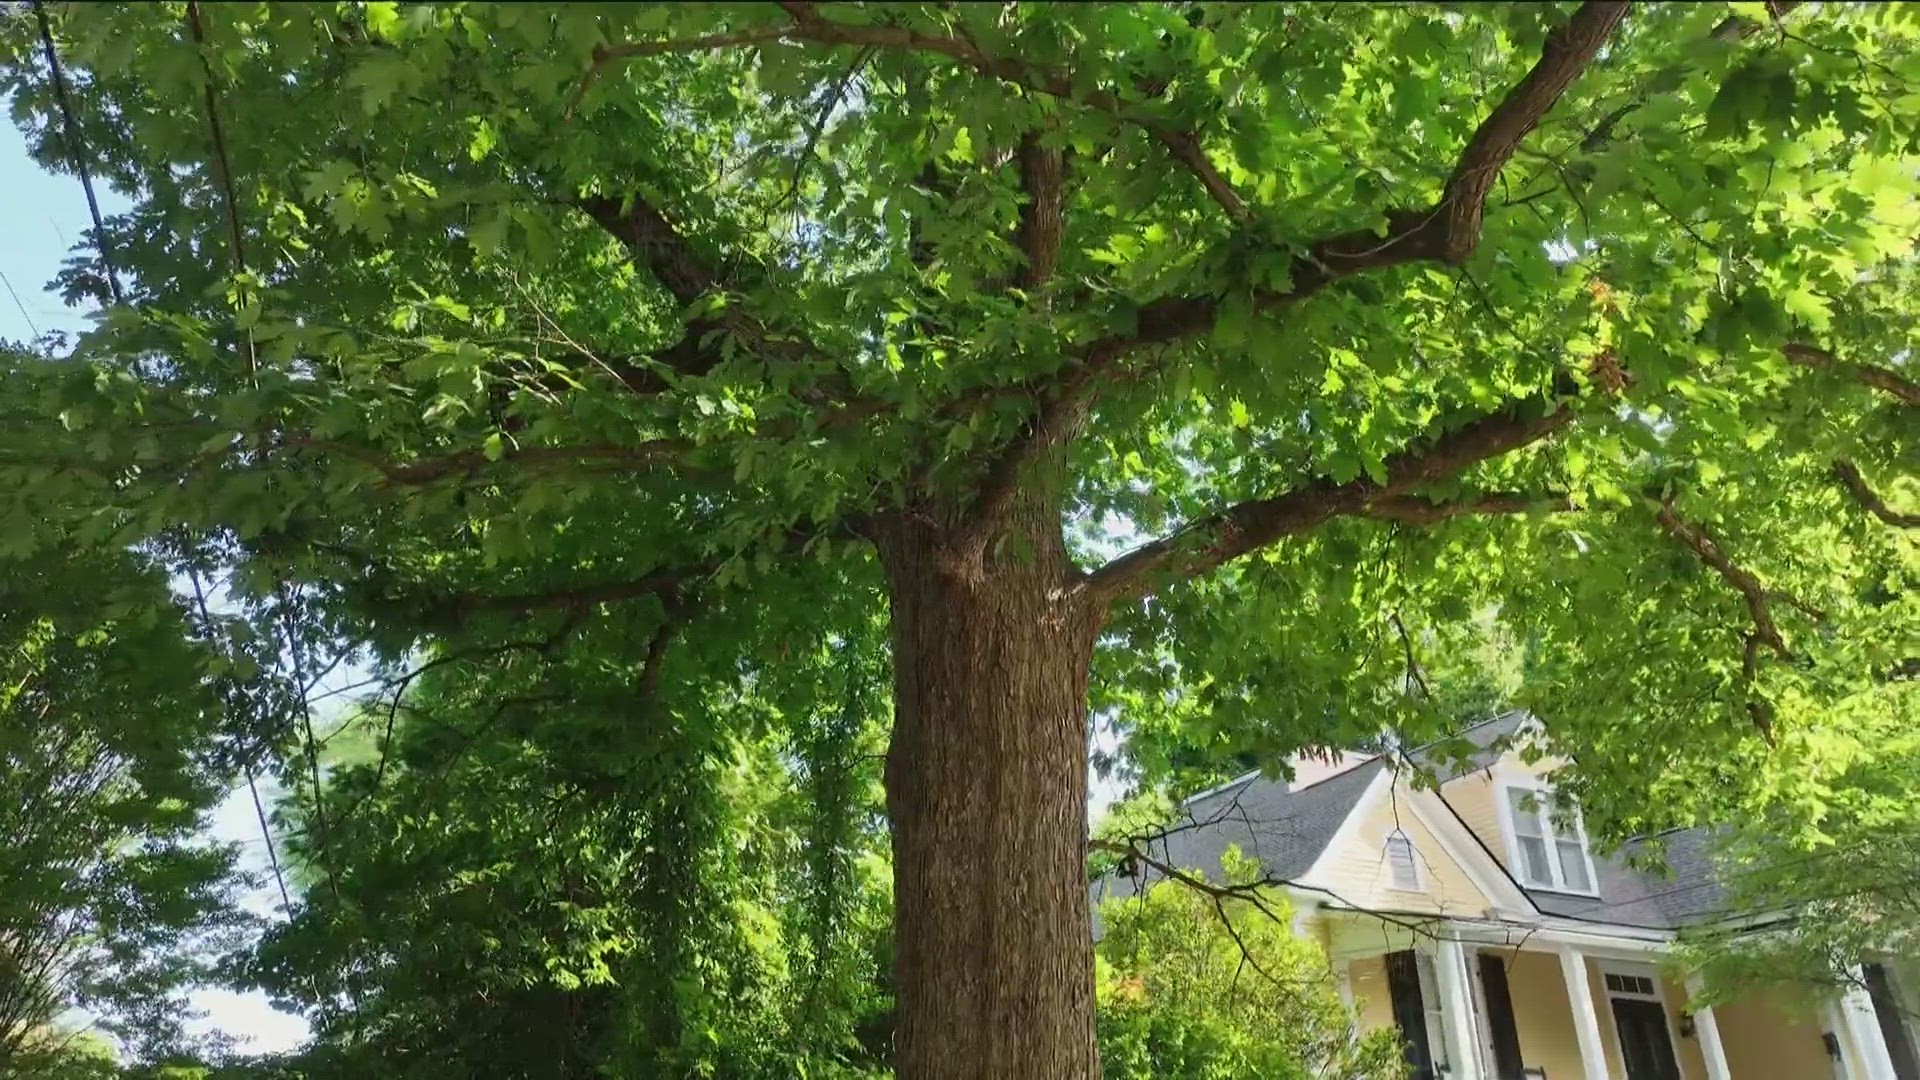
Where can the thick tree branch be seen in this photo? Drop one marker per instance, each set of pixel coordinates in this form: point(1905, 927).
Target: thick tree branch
point(1447, 232)
point(674, 608)
point(1210, 542)
point(1043, 175)
point(686, 274)
point(1849, 476)
point(605, 54)
point(575, 597)
point(809, 25)
point(1758, 599)
point(1418, 510)
point(1880, 378)
point(670, 585)
point(689, 276)
point(1765, 631)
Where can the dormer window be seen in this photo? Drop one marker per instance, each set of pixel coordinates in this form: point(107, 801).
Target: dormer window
point(1403, 866)
point(1545, 853)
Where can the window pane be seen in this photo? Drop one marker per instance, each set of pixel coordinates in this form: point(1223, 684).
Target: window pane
point(1533, 861)
point(1527, 806)
point(1573, 865)
point(1400, 868)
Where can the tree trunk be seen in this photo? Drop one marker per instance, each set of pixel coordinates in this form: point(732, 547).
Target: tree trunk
point(987, 794)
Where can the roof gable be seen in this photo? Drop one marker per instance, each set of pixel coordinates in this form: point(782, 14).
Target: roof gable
point(1354, 870)
point(1323, 835)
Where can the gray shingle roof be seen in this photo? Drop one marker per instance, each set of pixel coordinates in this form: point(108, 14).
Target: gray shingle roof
point(1287, 829)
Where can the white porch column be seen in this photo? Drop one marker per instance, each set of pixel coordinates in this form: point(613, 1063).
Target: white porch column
point(1456, 996)
point(1834, 1022)
point(1305, 913)
point(1343, 981)
point(1586, 1022)
point(1871, 1059)
point(1708, 1031)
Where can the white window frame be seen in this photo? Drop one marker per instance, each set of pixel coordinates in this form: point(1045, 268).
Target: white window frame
point(1516, 861)
point(1386, 861)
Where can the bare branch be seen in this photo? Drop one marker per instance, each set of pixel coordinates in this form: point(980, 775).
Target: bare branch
point(1880, 378)
point(1210, 542)
point(669, 584)
point(1849, 476)
point(1053, 424)
point(574, 597)
point(681, 269)
point(1416, 676)
point(1250, 892)
point(1758, 598)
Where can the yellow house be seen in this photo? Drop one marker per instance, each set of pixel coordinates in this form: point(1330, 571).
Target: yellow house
point(1504, 948)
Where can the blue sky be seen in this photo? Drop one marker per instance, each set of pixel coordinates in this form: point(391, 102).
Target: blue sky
point(45, 215)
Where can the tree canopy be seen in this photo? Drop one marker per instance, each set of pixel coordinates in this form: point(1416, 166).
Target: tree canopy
point(111, 748)
point(1197, 364)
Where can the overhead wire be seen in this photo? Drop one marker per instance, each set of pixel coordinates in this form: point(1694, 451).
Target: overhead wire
point(76, 147)
point(76, 153)
point(16, 303)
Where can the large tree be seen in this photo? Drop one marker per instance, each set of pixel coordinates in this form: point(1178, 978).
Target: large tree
point(1190, 360)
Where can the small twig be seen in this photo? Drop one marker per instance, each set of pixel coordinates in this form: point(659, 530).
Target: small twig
point(819, 126)
point(1906, 390)
point(605, 54)
point(1415, 676)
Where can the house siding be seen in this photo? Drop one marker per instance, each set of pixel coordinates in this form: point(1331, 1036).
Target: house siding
point(1372, 1002)
point(1775, 1035)
point(1355, 869)
point(1542, 1014)
point(1772, 1037)
point(1476, 797)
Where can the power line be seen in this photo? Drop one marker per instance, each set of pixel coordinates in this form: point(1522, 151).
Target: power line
point(253, 786)
point(75, 147)
point(16, 303)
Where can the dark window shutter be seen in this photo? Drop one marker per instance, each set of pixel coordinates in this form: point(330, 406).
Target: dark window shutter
point(1644, 1042)
point(1886, 1009)
point(1410, 1012)
point(1506, 1036)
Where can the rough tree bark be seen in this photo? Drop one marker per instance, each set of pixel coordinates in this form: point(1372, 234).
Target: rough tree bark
point(987, 794)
